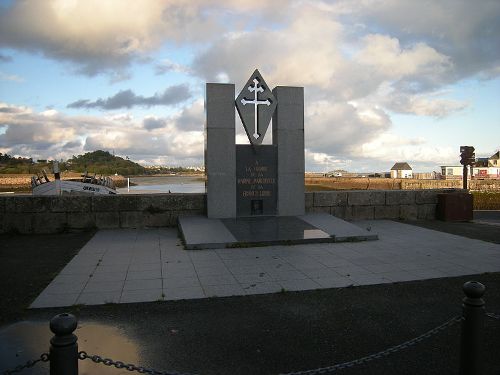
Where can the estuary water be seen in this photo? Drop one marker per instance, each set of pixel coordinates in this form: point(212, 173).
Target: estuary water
point(165, 184)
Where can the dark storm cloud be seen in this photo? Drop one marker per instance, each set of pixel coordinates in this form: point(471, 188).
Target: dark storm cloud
point(127, 99)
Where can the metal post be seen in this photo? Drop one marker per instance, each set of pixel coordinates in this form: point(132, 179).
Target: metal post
point(464, 178)
point(471, 342)
point(63, 346)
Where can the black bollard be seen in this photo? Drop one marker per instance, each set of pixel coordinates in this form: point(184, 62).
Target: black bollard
point(63, 346)
point(471, 343)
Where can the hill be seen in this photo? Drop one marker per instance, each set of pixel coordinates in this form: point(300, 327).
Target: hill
point(12, 165)
point(99, 162)
point(102, 162)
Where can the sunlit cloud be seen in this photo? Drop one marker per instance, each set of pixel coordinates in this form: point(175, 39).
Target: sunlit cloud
point(360, 62)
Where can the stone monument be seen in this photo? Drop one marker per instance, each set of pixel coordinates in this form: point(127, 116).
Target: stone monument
point(254, 179)
point(255, 192)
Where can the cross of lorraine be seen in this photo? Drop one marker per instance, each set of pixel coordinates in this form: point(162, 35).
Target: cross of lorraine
point(256, 105)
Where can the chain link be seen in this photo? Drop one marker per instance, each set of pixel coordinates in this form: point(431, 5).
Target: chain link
point(323, 370)
point(44, 357)
point(119, 364)
point(386, 352)
point(493, 315)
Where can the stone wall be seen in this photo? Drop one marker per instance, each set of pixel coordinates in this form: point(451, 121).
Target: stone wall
point(376, 204)
point(50, 214)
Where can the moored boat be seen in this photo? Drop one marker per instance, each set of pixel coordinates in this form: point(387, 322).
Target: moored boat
point(42, 185)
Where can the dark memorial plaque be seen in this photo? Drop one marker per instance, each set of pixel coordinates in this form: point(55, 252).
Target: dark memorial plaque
point(256, 180)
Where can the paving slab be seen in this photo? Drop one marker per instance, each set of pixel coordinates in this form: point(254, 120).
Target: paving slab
point(402, 253)
point(339, 229)
point(200, 232)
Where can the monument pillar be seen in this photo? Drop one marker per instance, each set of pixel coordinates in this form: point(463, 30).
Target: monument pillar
point(220, 150)
point(288, 136)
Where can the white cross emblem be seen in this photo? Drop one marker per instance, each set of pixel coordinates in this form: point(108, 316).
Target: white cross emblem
point(255, 89)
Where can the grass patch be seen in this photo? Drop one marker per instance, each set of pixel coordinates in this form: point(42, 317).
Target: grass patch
point(486, 200)
point(314, 187)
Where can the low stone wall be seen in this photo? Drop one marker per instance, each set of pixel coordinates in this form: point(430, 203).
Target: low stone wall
point(50, 214)
point(376, 204)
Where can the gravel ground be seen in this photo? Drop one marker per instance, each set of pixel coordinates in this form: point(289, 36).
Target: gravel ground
point(266, 334)
point(485, 232)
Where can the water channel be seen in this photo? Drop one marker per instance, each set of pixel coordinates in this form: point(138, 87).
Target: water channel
point(164, 184)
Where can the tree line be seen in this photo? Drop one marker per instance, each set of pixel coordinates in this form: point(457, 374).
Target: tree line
point(99, 162)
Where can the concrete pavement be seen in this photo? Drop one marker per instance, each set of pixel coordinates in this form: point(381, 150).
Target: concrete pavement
point(140, 265)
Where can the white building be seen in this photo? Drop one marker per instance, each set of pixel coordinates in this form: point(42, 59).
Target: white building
point(450, 172)
point(483, 168)
point(401, 170)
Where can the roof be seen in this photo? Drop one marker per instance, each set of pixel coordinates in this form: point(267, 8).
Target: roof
point(495, 156)
point(401, 166)
point(481, 162)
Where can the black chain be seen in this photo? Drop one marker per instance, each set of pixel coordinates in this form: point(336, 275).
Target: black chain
point(386, 352)
point(493, 315)
point(43, 358)
point(128, 366)
point(323, 370)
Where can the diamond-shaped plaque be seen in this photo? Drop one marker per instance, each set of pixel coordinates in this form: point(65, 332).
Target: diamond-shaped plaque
point(256, 104)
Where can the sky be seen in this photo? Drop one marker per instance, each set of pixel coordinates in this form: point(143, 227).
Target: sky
point(385, 80)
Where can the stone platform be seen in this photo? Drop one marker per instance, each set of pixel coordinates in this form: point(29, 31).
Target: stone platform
point(200, 232)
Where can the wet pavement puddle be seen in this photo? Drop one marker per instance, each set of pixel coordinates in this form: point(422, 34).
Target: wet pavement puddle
point(27, 340)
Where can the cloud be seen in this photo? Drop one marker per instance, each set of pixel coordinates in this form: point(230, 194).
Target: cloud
point(9, 108)
point(127, 99)
point(383, 58)
point(150, 123)
point(191, 118)
point(389, 147)
point(5, 58)
point(358, 61)
point(341, 128)
point(107, 37)
point(45, 135)
point(467, 32)
point(72, 145)
point(167, 66)
point(10, 77)
point(424, 106)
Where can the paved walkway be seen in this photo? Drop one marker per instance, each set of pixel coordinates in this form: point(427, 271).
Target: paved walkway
point(121, 266)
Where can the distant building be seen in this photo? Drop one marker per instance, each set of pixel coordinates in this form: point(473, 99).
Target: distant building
point(401, 170)
point(483, 168)
point(487, 167)
point(451, 172)
point(493, 160)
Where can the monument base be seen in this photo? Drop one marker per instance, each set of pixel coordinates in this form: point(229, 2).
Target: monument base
point(200, 232)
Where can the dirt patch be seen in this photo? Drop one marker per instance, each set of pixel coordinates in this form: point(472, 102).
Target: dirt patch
point(28, 263)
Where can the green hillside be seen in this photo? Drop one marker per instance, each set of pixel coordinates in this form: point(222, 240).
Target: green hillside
point(98, 162)
point(102, 162)
point(12, 165)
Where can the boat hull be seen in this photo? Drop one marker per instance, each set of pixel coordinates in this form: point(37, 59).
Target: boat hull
point(60, 187)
